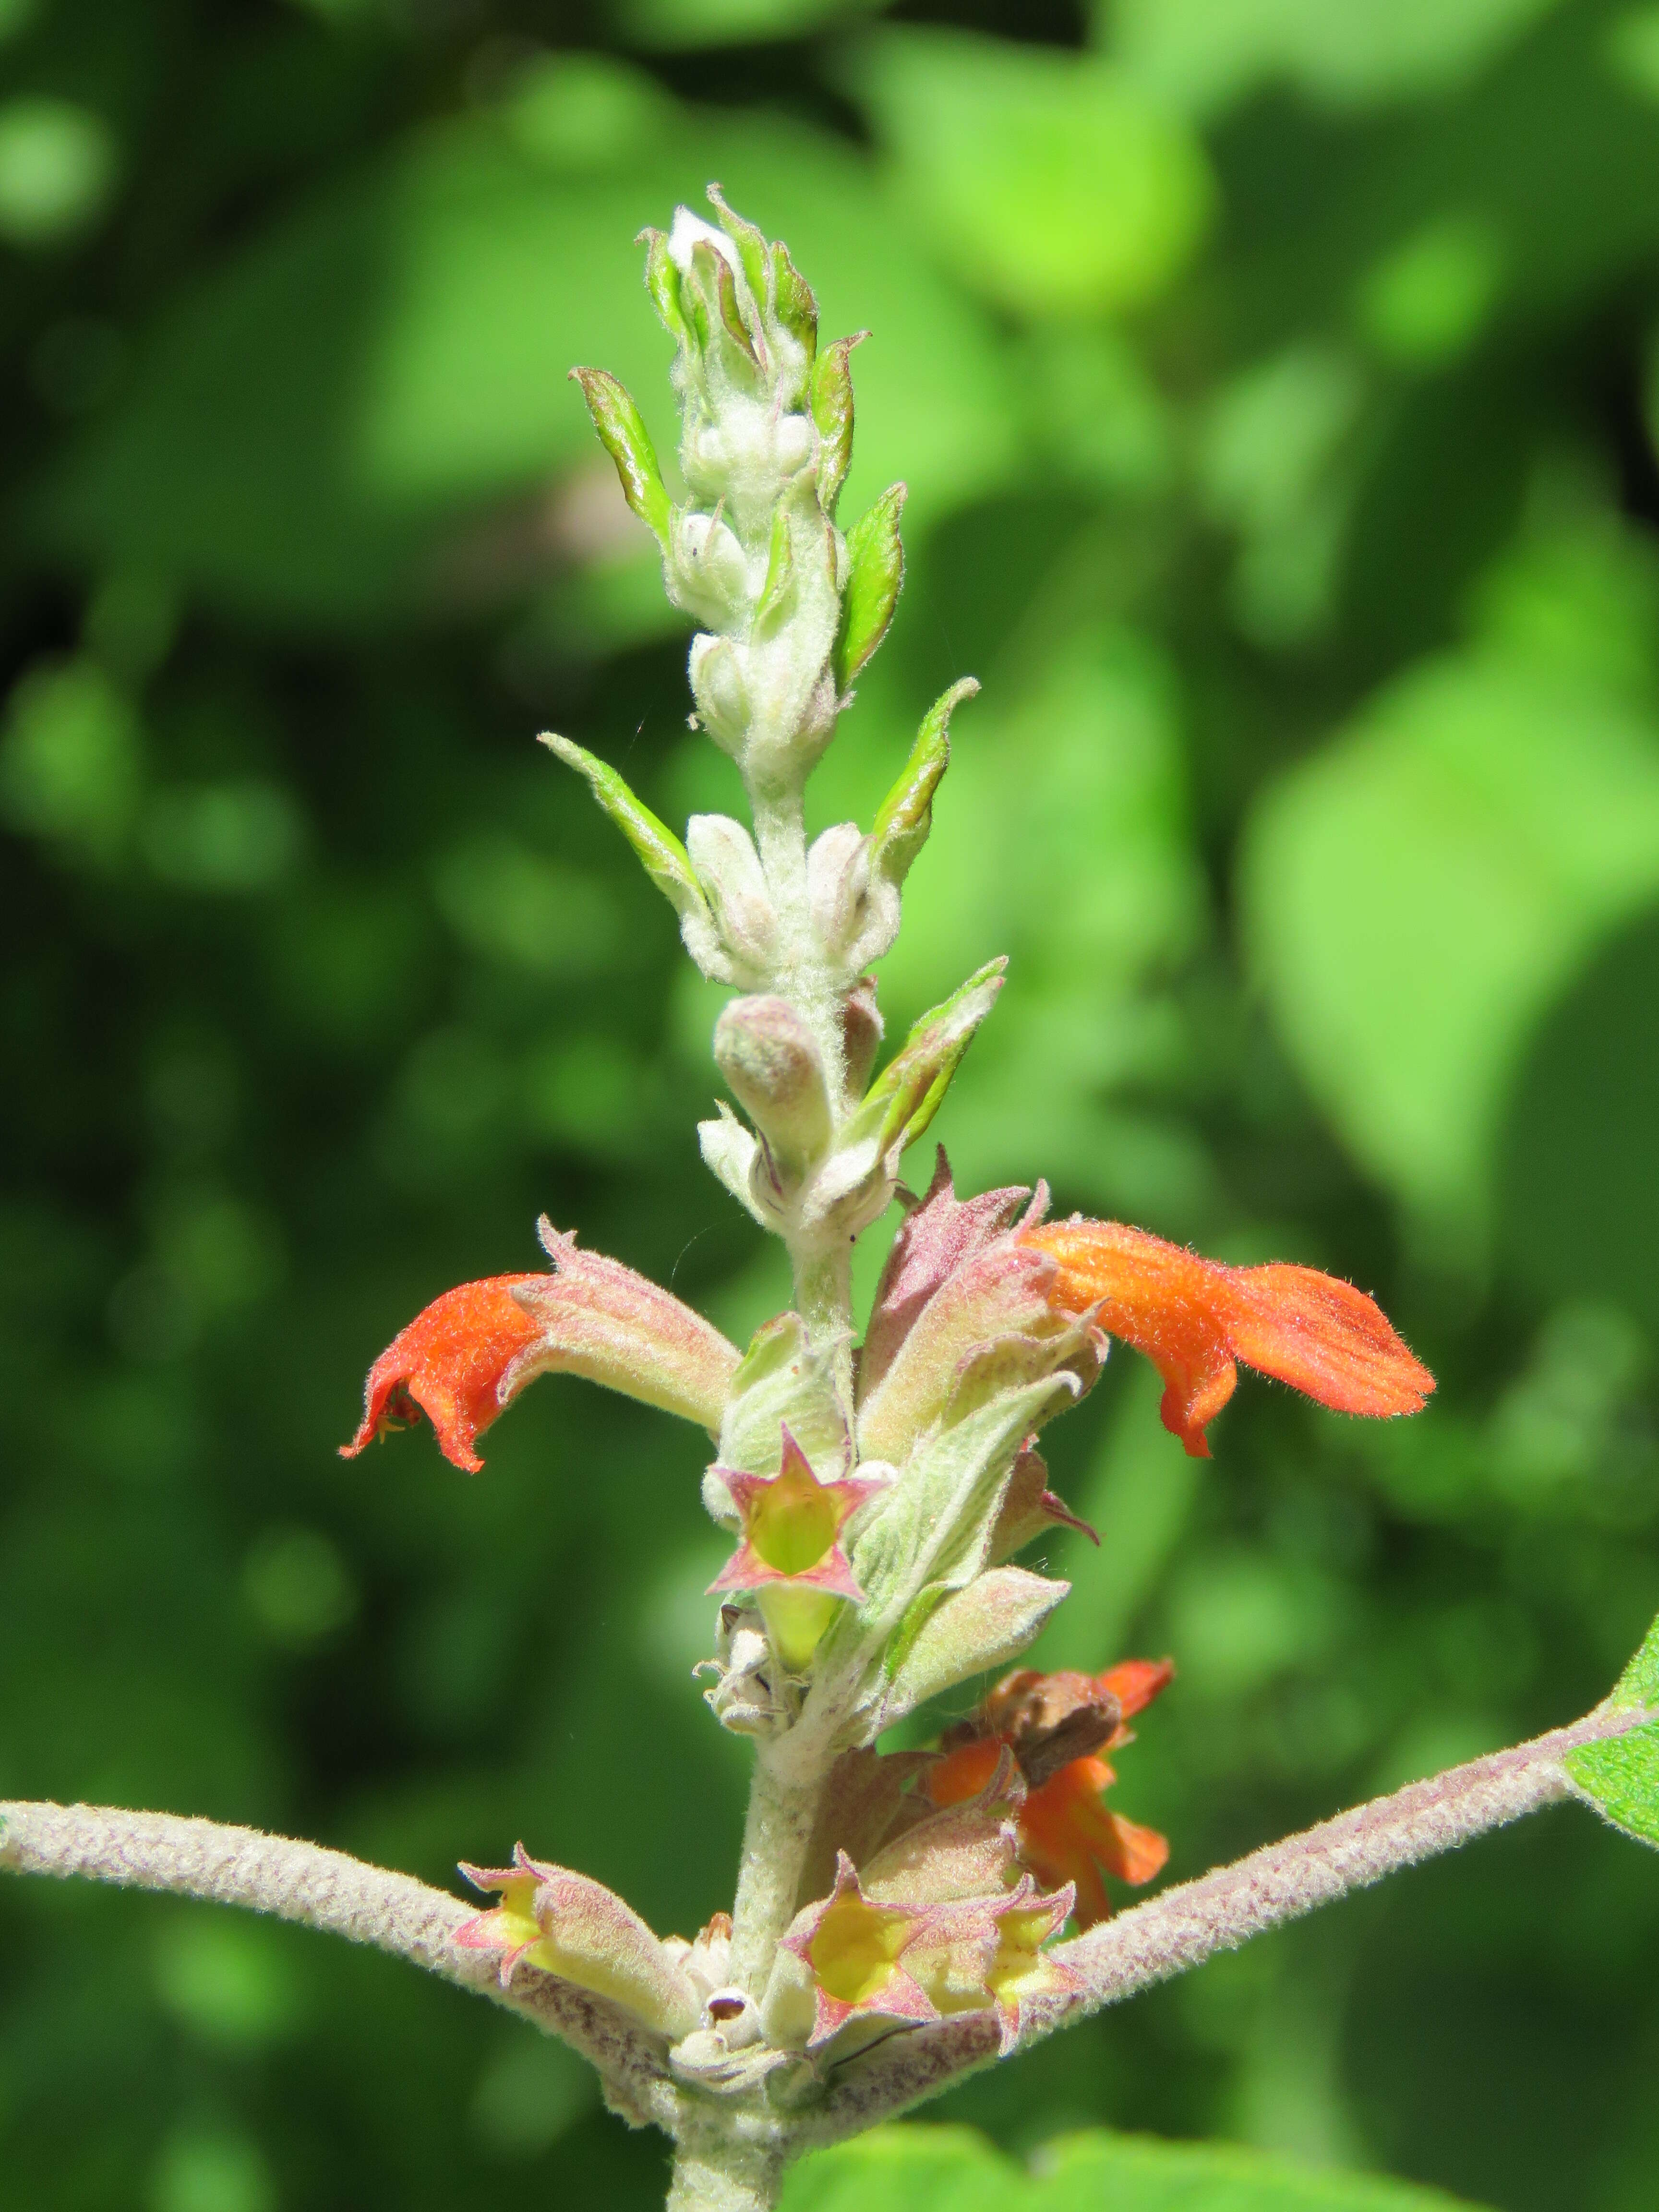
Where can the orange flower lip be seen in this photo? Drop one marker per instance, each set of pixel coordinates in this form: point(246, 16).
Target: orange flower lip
point(450, 1361)
point(1194, 1318)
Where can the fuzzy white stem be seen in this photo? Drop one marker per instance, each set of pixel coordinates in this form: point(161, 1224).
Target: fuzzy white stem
point(721, 2174)
point(327, 1890)
point(1220, 1911)
point(784, 1797)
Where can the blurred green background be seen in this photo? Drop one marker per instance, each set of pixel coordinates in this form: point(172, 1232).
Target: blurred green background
point(1276, 382)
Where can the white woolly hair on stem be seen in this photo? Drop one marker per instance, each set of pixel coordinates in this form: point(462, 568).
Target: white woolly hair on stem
point(328, 1890)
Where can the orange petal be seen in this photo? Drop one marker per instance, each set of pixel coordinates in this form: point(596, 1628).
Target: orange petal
point(1135, 1682)
point(963, 1772)
point(449, 1362)
point(1193, 1317)
point(1136, 1854)
point(1323, 1336)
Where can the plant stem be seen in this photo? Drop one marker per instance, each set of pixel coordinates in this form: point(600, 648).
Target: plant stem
point(327, 1890)
point(784, 1795)
point(720, 2173)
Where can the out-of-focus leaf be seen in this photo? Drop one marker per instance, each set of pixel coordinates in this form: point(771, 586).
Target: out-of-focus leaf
point(948, 2169)
point(1414, 896)
point(58, 165)
point(682, 24)
point(1050, 182)
point(308, 432)
point(1579, 1167)
point(1208, 54)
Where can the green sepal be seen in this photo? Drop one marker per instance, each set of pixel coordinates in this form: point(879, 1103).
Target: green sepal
point(623, 434)
point(796, 305)
point(783, 1380)
point(750, 242)
point(662, 283)
point(907, 812)
point(661, 854)
point(717, 283)
point(948, 1635)
point(933, 1529)
point(905, 1097)
point(776, 590)
point(875, 572)
point(1620, 1776)
point(832, 411)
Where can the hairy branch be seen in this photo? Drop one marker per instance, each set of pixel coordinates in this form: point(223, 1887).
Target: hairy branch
point(327, 1890)
point(1220, 1911)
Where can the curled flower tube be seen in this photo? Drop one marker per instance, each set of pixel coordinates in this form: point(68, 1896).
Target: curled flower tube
point(1195, 1318)
point(1067, 1833)
point(792, 1556)
point(465, 1358)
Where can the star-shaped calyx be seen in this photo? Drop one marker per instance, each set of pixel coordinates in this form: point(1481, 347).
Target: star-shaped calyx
point(792, 1555)
point(854, 1949)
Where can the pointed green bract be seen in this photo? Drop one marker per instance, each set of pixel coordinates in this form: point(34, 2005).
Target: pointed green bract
point(907, 1093)
point(907, 812)
point(1621, 1776)
point(663, 857)
point(798, 308)
point(875, 573)
point(750, 242)
point(625, 438)
point(662, 282)
point(779, 575)
point(832, 412)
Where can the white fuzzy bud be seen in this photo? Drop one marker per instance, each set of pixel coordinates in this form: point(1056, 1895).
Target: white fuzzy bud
point(723, 856)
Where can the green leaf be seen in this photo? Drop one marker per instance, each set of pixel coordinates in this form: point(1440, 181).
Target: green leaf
point(875, 558)
point(661, 854)
point(625, 438)
point(1488, 807)
point(907, 812)
point(1620, 1777)
point(1051, 181)
point(920, 2168)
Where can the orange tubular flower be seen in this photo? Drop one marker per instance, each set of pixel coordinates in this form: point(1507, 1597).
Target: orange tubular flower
point(466, 1358)
point(1067, 1833)
point(449, 1364)
point(1195, 1317)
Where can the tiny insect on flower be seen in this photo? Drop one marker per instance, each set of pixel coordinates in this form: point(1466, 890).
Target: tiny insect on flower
point(1194, 1318)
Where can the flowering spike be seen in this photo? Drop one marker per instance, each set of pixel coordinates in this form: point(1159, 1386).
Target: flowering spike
point(452, 1362)
point(851, 1947)
point(570, 1925)
point(791, 1552)
point(1194, 1317)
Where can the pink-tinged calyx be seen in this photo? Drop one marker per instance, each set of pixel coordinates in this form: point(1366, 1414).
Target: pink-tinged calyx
point(853, 1951)
point(792, 1555)
point(568, 1924)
